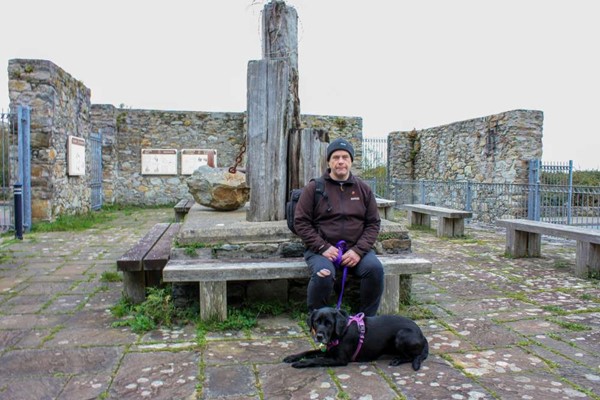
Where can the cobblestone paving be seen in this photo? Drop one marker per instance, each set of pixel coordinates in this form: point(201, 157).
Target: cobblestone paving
point(499, 328)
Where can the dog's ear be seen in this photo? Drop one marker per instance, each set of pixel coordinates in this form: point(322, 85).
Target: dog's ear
point(310, 319)
point(341, 320)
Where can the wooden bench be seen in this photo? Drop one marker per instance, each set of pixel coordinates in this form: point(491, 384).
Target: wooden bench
point(182, 208)
point(386, 208)
point(142, 265)
point(524, 239)
point(213, 275)
point(451, 223)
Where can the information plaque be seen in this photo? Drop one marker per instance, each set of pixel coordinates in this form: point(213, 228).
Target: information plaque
point(76, 154)
point(191, 159)
point(159, 162)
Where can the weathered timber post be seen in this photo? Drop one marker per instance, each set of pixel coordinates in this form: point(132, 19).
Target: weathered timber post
point(307, 149)
point(273, 112)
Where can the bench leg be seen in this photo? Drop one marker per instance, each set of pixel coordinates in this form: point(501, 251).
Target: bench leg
point(523, 244)
point(417, 218)
point(390, 299)
point(587, 260)
point(134, 283)
point(396, 291)
point(451, 227)
point(213, 300)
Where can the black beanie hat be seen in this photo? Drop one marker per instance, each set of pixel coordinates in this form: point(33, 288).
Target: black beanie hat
point(340, 144)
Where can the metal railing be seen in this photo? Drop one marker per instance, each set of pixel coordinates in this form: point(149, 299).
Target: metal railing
point(491, 201)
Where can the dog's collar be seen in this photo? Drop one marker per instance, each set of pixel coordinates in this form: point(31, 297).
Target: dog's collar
point(360, 323)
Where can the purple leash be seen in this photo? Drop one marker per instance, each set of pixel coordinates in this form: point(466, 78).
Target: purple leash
point(341, 246)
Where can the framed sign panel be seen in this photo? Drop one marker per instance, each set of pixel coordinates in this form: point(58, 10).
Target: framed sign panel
point(191, 159)
point(76, 156)
point(159, 162)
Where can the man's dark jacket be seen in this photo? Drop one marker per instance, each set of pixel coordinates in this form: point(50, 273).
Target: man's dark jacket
point(352, 215)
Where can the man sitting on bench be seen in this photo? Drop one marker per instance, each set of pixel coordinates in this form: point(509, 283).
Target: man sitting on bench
point(344, 217)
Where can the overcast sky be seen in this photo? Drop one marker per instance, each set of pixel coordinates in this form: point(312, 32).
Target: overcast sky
point(397, 64)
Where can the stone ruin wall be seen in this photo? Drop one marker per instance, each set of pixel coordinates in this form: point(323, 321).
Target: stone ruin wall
point(492, 149)
point(60, 106)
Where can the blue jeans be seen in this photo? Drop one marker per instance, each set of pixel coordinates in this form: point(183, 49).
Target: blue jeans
point(369, 270)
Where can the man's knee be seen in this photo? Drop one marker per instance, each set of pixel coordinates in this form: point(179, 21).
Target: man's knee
point(324, 273)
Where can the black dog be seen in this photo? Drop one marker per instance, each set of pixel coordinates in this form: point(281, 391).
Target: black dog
point(341, 341)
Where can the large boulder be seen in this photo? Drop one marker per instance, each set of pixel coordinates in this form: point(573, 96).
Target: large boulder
point(218, 188)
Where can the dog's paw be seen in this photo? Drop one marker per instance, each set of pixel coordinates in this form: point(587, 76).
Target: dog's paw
point(300, 364)
point(291, 359)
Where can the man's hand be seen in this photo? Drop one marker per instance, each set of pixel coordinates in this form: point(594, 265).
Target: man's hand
point(350, 259)
point(331, 253)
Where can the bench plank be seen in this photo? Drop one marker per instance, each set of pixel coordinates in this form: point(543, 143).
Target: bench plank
point(547, 228)
point(219, 270)
point(524, 238)
point(182, 208)
point(437, 211)
point(451, 223)
point(132, 259)
point(157, 257)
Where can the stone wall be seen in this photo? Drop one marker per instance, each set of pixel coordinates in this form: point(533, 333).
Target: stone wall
point(135, 130)
point(492, 149)
point(60, 106)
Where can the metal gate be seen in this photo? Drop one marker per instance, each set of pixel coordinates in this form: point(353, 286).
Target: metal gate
point(15, 167)
point(374, 165)
point(96, 169)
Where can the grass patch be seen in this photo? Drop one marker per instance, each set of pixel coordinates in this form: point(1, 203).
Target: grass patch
point(157, 311)
point(80, 222)
point(561, 264)
point(555, 310)
point(572, 326)
point(111, 276)
point(416, 312)
point(421, 228)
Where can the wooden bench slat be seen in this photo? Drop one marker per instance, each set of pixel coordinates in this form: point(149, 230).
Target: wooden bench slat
point(157, 257)
point(132, 259)
point(182, 208)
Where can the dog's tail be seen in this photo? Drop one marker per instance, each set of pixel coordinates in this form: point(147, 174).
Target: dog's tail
point(416, 364)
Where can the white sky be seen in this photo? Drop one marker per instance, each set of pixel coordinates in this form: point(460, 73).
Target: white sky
point(398, 64)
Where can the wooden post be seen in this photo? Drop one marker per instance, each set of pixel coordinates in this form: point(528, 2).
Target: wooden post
point(273, 113)
point(268, 131)
point(307, 156)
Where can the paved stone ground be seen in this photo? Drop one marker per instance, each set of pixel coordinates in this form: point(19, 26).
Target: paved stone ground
point(498, 329)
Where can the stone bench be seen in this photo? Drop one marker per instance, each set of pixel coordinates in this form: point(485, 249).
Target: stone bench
point(386, 208)
point(182, 208)
point(213, 275)
point(451, 223)
point(524, 239)
point(142, 264)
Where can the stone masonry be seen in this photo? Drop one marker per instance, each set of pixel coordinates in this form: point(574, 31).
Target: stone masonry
point(61, 106)
point(492, 149)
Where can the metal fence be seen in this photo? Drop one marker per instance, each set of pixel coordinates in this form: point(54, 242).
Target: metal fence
point(15, 168)
point(491, 201)
point(8, 139)
point(374, 164)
